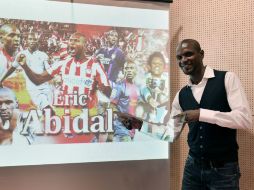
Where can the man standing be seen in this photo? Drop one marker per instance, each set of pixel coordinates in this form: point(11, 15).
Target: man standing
point(41, 95)
point(214, 105)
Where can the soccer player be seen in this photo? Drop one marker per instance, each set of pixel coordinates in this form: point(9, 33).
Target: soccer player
point(10, 40)
point(215, 106)
point(112, 57)
point(155, 93)
point(10, 119)
point(125, 97)
point(37, 61)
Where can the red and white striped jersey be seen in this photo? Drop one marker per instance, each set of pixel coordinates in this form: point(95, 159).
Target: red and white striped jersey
point(5, 61)
point(81, 77)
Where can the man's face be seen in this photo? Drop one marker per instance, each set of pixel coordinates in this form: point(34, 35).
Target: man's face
point(112, 37)
point(32, 41)
point(76, 46)
point(7, 105)
point(157, 66)
point(188, 58)
point(11, 39)
point(130, 71)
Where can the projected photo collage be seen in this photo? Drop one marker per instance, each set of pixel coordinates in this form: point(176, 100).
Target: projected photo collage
point(62, 83)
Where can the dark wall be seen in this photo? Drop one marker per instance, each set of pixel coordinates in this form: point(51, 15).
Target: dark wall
point(131, 175)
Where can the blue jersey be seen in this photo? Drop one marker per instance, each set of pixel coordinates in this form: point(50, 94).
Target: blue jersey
point(113, 60)
point(125, 96)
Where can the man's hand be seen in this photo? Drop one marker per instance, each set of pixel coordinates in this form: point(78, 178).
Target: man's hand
point(189, 115)
point(21, 59)
point(129, 121)
point(152, 102)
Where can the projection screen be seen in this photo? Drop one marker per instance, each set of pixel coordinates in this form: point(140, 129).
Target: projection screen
point(86, 62)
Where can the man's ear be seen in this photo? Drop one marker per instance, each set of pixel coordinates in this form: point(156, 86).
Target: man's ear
point(202, 53)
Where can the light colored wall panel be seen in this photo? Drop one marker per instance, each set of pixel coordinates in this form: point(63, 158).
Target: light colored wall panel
point(226, 32)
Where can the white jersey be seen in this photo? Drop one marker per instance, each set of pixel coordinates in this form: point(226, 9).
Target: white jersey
point(38, 63)
point(41, 95)
point(157, 85)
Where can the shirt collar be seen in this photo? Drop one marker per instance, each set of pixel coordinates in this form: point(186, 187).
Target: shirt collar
point(209, 73)
point(32, 52)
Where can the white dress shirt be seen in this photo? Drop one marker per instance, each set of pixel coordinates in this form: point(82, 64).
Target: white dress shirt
point(240, 115)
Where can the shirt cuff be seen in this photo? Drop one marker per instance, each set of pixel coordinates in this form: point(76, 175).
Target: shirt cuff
point(207, 116)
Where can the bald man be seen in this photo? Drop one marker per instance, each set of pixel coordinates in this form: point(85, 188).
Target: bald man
point(214, 105)
point(10, 119)
point(10, 40)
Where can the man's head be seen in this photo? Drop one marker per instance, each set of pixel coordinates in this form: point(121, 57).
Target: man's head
point(130, 70)
point(32, 40)
point(10, 38)
point(156, 63)
point(112, 37)
point(77, 45)
point(190, 56)
point(8, 103)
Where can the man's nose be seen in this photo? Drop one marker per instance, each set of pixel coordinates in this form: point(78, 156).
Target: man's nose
point(16, 38)
point(71, 42)
point(184, 59)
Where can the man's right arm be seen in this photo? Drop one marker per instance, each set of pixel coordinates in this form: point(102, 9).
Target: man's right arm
point(174, 120)
point(34, 77)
